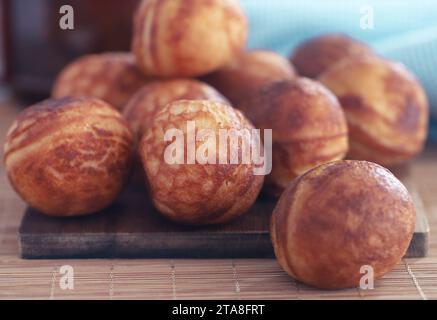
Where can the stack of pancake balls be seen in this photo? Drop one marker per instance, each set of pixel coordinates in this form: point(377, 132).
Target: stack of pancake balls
point(334, 99)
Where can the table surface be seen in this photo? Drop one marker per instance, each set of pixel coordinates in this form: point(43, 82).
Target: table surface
point(195, 279)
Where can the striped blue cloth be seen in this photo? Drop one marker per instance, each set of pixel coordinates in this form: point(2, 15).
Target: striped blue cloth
point(403, 30)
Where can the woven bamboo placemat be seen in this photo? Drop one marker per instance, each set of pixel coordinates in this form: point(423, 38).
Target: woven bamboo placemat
point(196, 279)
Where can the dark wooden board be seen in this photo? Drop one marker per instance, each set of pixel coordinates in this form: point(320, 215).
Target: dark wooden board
point(131, 228)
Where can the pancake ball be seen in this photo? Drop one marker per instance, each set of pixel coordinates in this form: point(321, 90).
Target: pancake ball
point(68, 157)
point(308, 124)
point(187, 38)
point(251, 71)
point(318, 54)
point(184, 187)
point(112, 77)
point(386, 109)
point(339, 217)
point(154, 96)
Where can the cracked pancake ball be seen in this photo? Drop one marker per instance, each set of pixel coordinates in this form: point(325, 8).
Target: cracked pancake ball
point(68, 157)
point(112, 77)
point(317, 55)
point(249, 73)
point(187, 38)
point(385, 106)
point(339, 217)
point(196, 192)
point(154, 96)
point(308, 124)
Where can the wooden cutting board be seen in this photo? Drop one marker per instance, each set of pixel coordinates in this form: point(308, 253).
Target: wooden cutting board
point(131, 228)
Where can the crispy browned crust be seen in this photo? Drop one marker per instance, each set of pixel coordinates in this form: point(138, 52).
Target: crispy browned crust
point(309, 128)
point(339, 217)
point(196, 193)
point(68, 157)
point(386, 108)
point(249, 73)
point(318, 54)
point(187, 38)
point(112, 77)
point(154, 96)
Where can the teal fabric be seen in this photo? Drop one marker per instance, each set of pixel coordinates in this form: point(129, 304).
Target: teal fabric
point(404, 30)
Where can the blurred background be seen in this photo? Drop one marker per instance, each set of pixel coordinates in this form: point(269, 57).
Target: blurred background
point(33, 48)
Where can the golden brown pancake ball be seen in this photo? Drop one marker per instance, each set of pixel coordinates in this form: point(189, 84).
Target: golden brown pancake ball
point(251, 71)
point(187, 38)
point(318, 54)
point(112, 77)
point(386, 108)
point(154, 96)
point(308, 124)
point(68, 157)
point(190, 191)
point(338, 218)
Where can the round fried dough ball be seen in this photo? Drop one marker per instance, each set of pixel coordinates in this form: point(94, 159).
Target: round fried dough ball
point(249, 73)
point(112, 77)
point(386, 108)
point(338, 218)
point(186, 188)
point(187, 38)
point(308, 124)
point(154, 96)
point(320, 53)
point(68, 157)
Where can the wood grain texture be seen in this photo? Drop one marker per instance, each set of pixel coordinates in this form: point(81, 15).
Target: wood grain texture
point(132, 228)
